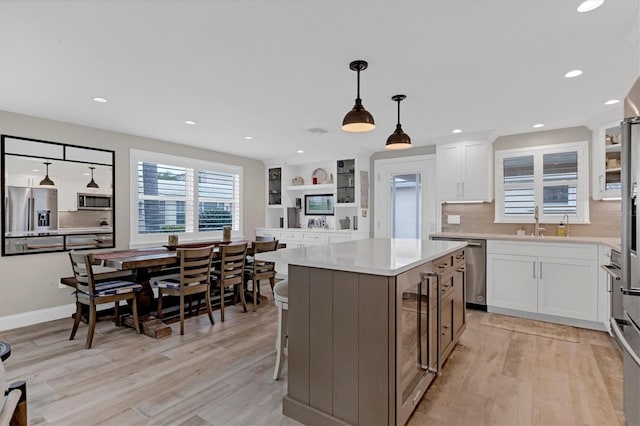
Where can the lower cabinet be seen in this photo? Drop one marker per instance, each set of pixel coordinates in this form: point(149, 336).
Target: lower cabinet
point(545, 278)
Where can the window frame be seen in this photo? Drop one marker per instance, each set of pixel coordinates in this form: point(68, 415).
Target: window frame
point(191, 211)
point(582, 183)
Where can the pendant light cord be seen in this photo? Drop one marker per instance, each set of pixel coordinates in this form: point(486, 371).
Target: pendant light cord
point(358, 95)
point(398, 111)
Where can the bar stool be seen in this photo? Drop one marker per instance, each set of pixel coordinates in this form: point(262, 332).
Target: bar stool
point(281, 296)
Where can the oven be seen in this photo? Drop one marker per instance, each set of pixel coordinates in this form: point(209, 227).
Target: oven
point(614, 287)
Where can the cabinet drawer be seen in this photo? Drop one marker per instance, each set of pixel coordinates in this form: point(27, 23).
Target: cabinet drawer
point(315, 237)
point(339, 238)
point(447, 284)
point(458, 258)
point(284, 235)
point(443, 265)
point(535, 248)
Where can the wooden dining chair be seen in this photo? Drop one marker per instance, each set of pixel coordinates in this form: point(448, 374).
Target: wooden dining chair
point(231, 273)
point(258, 270)
point(93, 289)
point(195, 276)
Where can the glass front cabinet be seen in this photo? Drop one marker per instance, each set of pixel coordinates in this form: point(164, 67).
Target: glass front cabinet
point(607, 149)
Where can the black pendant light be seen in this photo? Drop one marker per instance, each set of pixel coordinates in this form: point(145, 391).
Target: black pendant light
point(398, 139)
point(93, 183)
point(47, 180)
point(358, 120)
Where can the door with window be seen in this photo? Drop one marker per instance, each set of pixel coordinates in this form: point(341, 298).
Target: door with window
point(405, 204)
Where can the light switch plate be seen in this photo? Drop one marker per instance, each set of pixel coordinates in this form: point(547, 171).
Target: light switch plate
point(453, 219)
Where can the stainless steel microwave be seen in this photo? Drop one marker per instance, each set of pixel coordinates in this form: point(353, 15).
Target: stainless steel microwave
point(95, 201)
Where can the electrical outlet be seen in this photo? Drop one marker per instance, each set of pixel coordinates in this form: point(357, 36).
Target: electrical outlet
point(453, 219)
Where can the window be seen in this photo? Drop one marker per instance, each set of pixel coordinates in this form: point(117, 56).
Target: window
point(553, 178)
point(183, 196)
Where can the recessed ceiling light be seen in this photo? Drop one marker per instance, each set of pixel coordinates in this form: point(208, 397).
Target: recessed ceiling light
point(300, 151)
point(190, 122)
point(589, 5)
point(573, 73)
point(456, 131)
point(86, 174)
point(611, 102)
point(35, 170)
point(101, 100)
point(249, 138)
point(537, 126)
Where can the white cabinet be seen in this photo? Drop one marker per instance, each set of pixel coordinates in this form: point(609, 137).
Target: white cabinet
point(606, 150)
point(464, 171)
point(513, 282)
point(553, 279)
point(568, 288)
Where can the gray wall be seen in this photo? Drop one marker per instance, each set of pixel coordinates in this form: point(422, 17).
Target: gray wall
point(30, 282)
point(421, 150)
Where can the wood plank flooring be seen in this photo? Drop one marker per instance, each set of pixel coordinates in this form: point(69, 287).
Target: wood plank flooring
point(222, 374)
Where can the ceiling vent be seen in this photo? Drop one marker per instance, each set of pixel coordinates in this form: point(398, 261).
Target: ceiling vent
point(318, 130)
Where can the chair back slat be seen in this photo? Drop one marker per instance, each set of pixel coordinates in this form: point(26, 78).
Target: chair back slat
point(82, 271)
point(195, 265)
point(232, 266)
point(261, 268)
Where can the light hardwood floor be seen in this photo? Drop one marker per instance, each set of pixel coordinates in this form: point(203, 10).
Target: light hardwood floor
point(222, 374)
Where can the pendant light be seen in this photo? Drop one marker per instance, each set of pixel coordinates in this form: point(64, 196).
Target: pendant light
point(47, 180)
point(93, 183)
point(358, 120)
point(398, 139)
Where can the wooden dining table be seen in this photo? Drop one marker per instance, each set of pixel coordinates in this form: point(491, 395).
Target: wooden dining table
point(150, 262)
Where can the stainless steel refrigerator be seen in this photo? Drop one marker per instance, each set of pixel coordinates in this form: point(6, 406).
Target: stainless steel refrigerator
point(31, 209)
point(627, 331)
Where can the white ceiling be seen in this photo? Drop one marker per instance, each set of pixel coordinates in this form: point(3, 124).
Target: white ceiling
point(274, 69)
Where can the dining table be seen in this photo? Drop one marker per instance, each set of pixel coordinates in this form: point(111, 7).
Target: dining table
point(148, 263)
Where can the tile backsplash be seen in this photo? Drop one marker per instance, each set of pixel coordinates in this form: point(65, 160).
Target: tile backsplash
point(478, 218)
point(83, 218)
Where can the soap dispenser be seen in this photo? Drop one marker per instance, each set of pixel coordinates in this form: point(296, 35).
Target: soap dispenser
point(562, 230)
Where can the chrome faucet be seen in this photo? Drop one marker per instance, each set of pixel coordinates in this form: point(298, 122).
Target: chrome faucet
point(537, 230)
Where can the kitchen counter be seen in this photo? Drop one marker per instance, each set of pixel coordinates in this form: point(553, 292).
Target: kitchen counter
point(613, 243)
point(379, 256)
point(60, 232)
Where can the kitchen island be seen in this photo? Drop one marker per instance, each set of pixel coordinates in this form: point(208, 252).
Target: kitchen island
point(370, 325)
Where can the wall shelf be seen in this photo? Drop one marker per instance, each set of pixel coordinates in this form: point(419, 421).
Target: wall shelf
point(318, 187)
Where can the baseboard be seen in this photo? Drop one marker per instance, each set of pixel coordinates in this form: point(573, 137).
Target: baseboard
point(24, 319)
point(593, 325)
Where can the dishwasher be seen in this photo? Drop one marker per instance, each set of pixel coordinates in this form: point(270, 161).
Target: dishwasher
point(476, 272)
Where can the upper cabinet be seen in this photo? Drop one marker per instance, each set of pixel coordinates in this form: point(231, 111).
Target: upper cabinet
point(274, 182)
point(346, 181)
point(464, 171)
point(606, 162)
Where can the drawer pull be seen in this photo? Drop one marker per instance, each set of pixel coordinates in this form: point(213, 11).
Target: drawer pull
point(460, 257)
point(443, 265)
point(460, 270)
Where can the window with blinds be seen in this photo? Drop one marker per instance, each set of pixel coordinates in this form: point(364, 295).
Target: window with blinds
point(554, 178)
point(186, 196)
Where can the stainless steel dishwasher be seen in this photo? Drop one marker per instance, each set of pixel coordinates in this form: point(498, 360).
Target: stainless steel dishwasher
point(476, 272)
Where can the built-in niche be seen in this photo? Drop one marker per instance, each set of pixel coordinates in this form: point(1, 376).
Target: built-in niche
point(56, 196)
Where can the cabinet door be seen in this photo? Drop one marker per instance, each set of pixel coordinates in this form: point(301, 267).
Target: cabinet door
point(447, 332)
point(474, 166)
point(606, 152)
point(568, 288)
point(459, 309)
point(448, 172)
point(512, 282)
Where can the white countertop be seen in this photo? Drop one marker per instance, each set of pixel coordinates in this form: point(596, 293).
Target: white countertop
point(61, 231)
point(613, 243)
point(314, 230)
point(379, 256)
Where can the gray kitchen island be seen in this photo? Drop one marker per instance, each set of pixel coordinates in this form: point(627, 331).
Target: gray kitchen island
point(371, 323)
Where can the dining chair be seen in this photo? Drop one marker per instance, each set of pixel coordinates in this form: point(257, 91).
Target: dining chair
point(195, 276)
point(258, 270)
point(231, 272)
point(93, 289)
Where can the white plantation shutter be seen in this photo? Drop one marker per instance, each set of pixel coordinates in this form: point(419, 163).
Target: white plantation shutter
point(555, 178)
point(179, 195)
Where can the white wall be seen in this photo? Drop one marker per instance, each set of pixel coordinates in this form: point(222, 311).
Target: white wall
point(29, 283)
